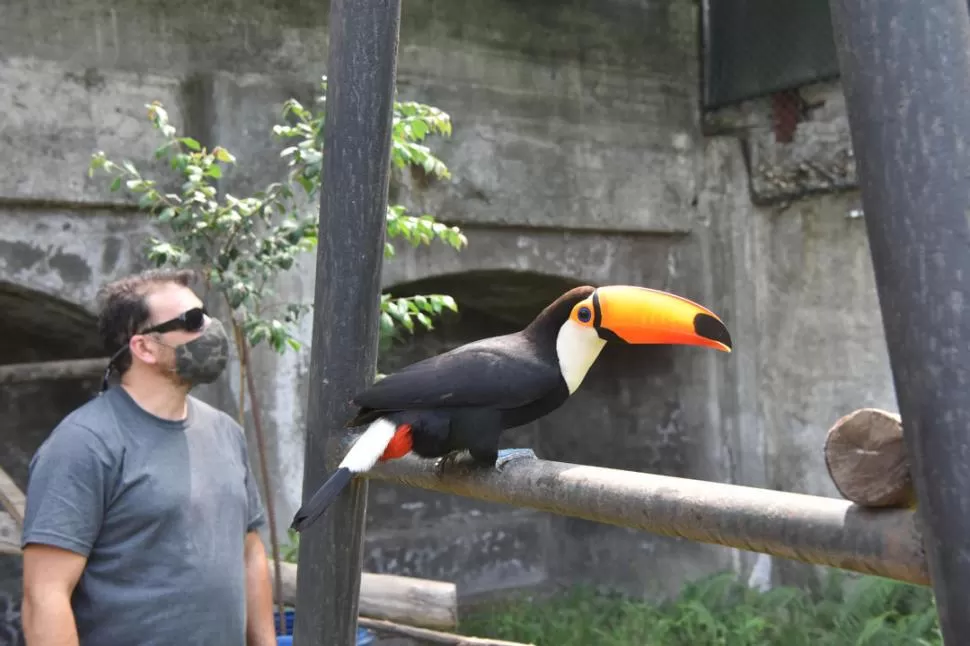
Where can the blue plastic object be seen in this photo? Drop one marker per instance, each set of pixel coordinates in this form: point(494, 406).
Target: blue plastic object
point(364, 636)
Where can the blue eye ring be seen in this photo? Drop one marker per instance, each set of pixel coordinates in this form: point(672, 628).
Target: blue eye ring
point(584, 314)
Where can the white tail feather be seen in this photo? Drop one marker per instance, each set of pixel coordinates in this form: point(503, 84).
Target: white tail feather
point(370, 446)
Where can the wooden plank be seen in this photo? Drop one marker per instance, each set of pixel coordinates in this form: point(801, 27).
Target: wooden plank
point(14, 373)
point(400, 599)
point(12, 498)
point(9, 534)
point(432, 636)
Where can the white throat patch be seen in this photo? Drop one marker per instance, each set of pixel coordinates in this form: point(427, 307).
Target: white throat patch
point(577, 347)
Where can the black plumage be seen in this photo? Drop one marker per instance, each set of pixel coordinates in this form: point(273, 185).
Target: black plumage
point(464, 398)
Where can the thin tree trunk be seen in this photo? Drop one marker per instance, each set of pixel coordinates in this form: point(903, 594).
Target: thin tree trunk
point(243, 369)
point(244, 356)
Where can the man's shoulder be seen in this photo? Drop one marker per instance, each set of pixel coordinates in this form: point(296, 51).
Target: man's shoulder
point(90, 430)
point(93, 420)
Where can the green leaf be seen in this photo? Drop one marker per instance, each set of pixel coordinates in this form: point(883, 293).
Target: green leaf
point(191, 143)
point(223, 155)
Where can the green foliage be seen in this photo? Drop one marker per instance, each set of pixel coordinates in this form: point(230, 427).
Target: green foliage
point(411, 124)
point(397, 313)
point(239, 245)
point(290, 551)
point(721, 611)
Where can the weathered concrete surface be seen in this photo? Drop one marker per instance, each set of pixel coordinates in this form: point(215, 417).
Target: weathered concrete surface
point(577, 157)
point(795, 278)
point(817, 160)
point(822, 352)
point(575, 84)
point(67, 255)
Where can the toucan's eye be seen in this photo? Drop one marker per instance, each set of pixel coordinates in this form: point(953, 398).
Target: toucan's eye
point(584, 315)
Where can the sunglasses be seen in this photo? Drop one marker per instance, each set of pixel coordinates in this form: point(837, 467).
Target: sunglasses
point(190, 321)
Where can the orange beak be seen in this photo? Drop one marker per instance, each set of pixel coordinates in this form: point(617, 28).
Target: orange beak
point(640, 315)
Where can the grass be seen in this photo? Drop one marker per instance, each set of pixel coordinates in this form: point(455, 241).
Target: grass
point(721, 611)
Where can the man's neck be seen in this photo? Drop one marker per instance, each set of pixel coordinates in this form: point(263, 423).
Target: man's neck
point(157, 396)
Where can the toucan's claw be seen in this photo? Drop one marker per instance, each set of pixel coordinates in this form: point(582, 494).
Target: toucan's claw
point(505, 456)
point(461, 461)
point(452, 460)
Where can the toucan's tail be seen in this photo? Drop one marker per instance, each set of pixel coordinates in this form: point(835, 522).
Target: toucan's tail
point(363, 455)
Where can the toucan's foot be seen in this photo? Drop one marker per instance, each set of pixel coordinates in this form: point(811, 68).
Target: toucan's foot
point(459, 461)
point(449, 460)
point(505, 456)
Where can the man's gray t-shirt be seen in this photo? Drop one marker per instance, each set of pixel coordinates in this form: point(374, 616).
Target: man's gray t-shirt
point(160, 508)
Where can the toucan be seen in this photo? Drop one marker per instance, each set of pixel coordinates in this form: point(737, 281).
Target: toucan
point(463, 399)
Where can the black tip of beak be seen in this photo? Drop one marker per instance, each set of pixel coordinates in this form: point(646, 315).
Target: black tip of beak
point(709, 327)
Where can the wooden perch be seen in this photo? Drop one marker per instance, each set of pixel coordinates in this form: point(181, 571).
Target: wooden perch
point(409, 600)
point(13, 373)
point(12, 503)
point(12, 498)
point(866, 458)
point(405, 606)
point(432, 636)
point(9, 535)
point(811, 529)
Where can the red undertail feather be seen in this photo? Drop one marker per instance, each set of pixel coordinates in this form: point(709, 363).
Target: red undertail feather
point(400, 444)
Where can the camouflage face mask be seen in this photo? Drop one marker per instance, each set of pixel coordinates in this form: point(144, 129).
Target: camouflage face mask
point(202, 360)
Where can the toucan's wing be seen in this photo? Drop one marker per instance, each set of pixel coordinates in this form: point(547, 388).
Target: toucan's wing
point(501, 372)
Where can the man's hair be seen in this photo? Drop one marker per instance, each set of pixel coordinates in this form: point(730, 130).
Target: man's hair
point(122, 307)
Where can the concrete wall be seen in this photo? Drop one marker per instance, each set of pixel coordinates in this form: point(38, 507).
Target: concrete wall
point(578, 156)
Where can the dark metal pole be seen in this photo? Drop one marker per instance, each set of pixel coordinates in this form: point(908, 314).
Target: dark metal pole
point(357, 136)
point(906, 76)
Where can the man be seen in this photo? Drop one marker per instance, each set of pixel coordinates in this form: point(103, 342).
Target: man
point(142, 511)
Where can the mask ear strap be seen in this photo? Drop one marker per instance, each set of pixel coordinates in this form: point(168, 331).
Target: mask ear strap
point(107, 370)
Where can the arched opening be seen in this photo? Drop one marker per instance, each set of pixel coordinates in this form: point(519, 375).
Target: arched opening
point(626, 415)
point(36, 327)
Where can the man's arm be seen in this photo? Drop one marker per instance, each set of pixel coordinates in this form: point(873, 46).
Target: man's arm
point(67, 488)
point(259, 594)
point(50, 574)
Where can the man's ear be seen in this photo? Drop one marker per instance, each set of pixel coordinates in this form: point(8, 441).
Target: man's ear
point(141, 346)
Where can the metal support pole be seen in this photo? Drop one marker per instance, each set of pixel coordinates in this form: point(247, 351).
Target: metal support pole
point(357, 136)
point(906, 76)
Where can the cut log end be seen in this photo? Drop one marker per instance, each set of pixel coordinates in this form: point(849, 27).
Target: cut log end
point(866, 458)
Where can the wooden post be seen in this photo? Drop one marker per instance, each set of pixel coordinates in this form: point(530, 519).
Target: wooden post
point(353, 206)
point(906, 77)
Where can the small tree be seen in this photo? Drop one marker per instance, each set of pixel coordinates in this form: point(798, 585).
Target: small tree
point(412, 123)
point(240, 246)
